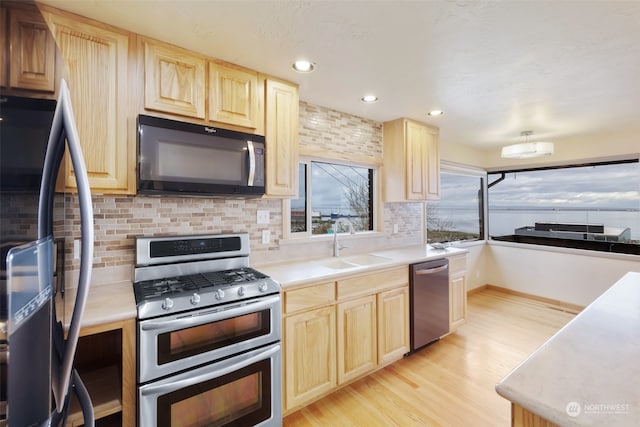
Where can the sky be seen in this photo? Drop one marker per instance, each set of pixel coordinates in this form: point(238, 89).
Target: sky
point(613, 186)
point(329, 182)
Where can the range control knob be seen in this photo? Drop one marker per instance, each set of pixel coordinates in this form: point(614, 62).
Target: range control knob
point(167, 304)
point(263, 287)
point(219, 294)
point(195, 299)
point(241, 291)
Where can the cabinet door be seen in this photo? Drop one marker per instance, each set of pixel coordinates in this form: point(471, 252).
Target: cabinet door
point(357, 344)
point(32, 50)
point(411, 169)
point(433, 165)
point(457, 301)
point(310, 355)
point(173, 80)
point(282, 138)
point(416, 161)
point(393, 324)
point(233, 95)
point(4, 47)
point(96, 58)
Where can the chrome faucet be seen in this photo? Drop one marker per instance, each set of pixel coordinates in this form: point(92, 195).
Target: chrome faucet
point(336, 246)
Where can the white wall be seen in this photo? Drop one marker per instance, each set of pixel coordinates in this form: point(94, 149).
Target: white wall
point(476, 270)
point(564, 275)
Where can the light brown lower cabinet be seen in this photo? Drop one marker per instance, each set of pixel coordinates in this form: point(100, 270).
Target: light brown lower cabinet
point(310, 355)
point(521, 417)
point(393, 324)
point(357, 340)
point(457, 291)
point(106, 362)
point(337, 332)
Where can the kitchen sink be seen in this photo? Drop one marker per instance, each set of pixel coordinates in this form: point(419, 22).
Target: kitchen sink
point(353, 261)
point(366, 259)
point(336, 263)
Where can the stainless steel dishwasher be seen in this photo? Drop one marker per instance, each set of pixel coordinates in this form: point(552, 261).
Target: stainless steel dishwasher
point(429, 300)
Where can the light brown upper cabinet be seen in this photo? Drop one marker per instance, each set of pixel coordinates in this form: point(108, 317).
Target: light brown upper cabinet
point(411, 169)
point(30, 47)
point(174, 80)
point(282, 138)
point(3, 46)
point(233, 95)
point(96, 58)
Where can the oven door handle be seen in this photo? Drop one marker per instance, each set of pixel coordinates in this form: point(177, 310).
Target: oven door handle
point(208, 316)
point(163, 388)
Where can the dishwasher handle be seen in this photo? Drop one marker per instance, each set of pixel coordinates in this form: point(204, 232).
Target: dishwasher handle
point(431, 270)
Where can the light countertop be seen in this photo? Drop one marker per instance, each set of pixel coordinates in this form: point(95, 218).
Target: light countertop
point(587, 374)
point(292, 274)
point(106, 303)
point(114, 301)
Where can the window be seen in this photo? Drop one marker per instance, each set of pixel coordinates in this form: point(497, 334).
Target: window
point(594, 206)
point(458, 215)
point(329, 191)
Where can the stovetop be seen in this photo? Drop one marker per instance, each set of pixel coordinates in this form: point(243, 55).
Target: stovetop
point(177, 274)
point(200, 282)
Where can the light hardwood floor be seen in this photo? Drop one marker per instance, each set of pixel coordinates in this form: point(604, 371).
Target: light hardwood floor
point(451, 382)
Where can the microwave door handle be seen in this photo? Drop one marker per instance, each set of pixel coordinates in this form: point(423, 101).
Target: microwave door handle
point(252, 163)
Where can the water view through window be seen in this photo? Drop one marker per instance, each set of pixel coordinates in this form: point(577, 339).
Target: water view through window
point(596, 203)
point(457, 216)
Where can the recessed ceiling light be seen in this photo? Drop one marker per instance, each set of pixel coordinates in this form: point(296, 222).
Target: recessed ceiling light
point(369, 99)
point(303, 66)
point(435, 113)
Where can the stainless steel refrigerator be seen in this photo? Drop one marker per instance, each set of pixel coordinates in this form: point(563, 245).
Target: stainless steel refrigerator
point(37, 376)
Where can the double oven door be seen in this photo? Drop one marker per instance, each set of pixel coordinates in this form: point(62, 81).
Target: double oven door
point(212, 367)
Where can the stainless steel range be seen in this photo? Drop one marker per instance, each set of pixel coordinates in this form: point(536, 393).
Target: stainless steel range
point(209, 330)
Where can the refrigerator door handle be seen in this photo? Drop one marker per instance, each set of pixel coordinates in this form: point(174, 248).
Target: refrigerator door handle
point(64, 126)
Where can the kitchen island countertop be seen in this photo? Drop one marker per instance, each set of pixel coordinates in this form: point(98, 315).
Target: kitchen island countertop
point(298, 273)
point(588, 373)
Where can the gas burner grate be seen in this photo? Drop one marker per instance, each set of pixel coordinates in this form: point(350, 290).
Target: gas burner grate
point(152, 289)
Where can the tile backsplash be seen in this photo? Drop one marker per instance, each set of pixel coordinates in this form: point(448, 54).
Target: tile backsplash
point(339, 133)
point(119, 219)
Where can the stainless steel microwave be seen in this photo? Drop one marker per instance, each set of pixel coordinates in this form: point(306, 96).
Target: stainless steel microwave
point(179, 158)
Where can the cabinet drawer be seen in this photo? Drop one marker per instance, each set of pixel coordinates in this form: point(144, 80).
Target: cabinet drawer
point(457, 263)
point(312, 296)
point(371, 283)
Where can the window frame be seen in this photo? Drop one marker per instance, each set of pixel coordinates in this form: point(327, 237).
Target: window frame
point(286, 203)
point(472, 171)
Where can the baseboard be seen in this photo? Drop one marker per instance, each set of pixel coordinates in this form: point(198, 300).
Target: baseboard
point(549, 302)
point(476, 290)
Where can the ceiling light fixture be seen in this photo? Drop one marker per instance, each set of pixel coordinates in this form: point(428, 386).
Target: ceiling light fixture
point(369, 99)
point(434, 113)
point(303, 66)
point(527, 150)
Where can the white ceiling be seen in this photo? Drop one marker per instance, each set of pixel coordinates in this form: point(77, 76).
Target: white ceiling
point(560, 68)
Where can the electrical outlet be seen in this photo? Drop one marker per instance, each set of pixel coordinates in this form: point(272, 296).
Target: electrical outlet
point(262, 217)
point(395, 228)
point(76, 249)
point(266, 237)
